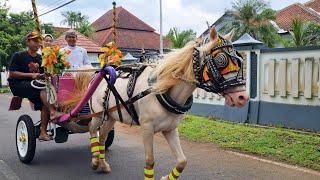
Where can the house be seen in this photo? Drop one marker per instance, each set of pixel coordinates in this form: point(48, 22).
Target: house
point(133, 34)
point(60, 30)
point(309, 11)
point(226, 17)
point(92, 48)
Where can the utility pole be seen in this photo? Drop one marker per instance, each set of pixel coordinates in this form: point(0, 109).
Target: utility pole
point(161, 38)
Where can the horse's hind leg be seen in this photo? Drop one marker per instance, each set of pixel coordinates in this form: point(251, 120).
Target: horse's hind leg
point(173, 140)
point(103, 134)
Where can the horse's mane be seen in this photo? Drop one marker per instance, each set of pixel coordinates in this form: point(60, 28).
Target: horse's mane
point(177, 65)
point(82, 80)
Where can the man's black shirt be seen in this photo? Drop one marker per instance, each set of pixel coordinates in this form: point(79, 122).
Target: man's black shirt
point(22, 62)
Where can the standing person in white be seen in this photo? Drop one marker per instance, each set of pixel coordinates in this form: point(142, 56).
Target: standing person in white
point(78, 56)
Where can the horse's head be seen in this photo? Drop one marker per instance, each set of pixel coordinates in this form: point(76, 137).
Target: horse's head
point(218, 68)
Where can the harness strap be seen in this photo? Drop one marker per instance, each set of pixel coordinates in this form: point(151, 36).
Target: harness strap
point(119, 108)
point(136, 72)
point(129, 101)
point(168, 103)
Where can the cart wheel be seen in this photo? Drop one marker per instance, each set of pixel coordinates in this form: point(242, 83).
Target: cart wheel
point(109, 140)
point(25, 139)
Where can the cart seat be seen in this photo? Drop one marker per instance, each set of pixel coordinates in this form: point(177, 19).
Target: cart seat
point(66, 87)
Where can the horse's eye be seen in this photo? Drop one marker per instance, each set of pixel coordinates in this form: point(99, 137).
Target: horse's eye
point(221, 60)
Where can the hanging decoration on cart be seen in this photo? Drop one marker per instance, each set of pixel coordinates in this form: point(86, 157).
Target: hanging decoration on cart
point(54, 60)
point(111, 55)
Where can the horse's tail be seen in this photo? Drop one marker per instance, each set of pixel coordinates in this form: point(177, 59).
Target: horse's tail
point(82, 81)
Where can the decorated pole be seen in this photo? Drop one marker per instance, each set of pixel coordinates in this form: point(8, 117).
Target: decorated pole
point(36, 17)
point(114, 21)
point(38, 28)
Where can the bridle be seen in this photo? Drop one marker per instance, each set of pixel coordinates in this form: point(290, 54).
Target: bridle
point(212, 66)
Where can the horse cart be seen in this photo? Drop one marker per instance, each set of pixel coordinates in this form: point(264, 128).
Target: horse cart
point(76, 121)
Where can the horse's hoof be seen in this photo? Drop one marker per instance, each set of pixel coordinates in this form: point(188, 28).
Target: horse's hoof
point(94, 164)
point(106, 168)
point(165, 178)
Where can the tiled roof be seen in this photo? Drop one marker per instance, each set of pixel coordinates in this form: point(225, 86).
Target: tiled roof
point(131, 39)
point(132, 33)
point(82, 41)
point(285, 16)
point(124, 19)
point(60, 29)
point(313, 4)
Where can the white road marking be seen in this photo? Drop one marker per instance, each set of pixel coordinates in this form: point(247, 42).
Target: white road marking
point(297, 168)
point(7, 171)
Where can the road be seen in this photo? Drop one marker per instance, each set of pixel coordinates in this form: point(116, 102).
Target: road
point(70, 160)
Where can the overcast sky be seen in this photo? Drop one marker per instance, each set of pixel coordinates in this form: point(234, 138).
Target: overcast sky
point(184, 14)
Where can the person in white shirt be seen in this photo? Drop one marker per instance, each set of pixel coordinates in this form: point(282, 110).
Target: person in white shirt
point(78, 56)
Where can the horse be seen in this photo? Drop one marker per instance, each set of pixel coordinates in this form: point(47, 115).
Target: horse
point(214, 66)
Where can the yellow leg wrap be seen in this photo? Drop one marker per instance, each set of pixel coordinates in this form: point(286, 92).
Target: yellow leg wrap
point(148, 174)
point(102, 151)
point(174, 174)
point(93, 140)
point(94, 144)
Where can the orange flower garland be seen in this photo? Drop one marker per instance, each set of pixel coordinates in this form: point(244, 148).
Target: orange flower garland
point(54, 60)
point(111, 55)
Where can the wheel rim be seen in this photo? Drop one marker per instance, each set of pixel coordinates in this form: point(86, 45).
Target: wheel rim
point(22, 138)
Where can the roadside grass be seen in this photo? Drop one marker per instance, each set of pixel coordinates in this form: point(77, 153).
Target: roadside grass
point(280, 144)
point(4, 90)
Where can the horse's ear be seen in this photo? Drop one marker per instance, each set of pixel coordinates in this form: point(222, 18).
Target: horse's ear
point(213, 33)
point(229, 36)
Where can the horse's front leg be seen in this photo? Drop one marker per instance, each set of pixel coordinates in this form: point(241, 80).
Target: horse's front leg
point(94, 143)
point(103, 134)
point(173, 140)
point(147, 134)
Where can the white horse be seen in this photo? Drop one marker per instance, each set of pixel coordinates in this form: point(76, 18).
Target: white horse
point(176, 76)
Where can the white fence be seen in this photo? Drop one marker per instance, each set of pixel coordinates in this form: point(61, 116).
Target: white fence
point(284, 89)
point(290, 77)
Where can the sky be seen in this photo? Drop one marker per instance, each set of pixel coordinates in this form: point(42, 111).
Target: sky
point(183, 14)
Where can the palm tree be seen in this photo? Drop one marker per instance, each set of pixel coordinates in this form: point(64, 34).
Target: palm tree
point(179, 39)
point(73, 19)
point(81, 19)
point(70, 18)
point(86, 29)
point(299, 33)
point(252, 17)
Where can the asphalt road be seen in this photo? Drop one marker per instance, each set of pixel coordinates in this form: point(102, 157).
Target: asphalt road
point(71, 160)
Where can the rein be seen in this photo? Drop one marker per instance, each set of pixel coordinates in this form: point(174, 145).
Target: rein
point(112, 109)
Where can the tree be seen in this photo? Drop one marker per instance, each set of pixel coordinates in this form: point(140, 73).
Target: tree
point(312, 33)
point(253, 17)
point(303, 34)
point(13, 27)
point(179, 39)
point(70, 18)
point(73, 19)
point(298, 32)
point(48, 29)
point(86, 29)
point(76, 20)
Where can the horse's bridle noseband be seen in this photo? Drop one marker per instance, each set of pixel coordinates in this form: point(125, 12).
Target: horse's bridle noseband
point(216, 82)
